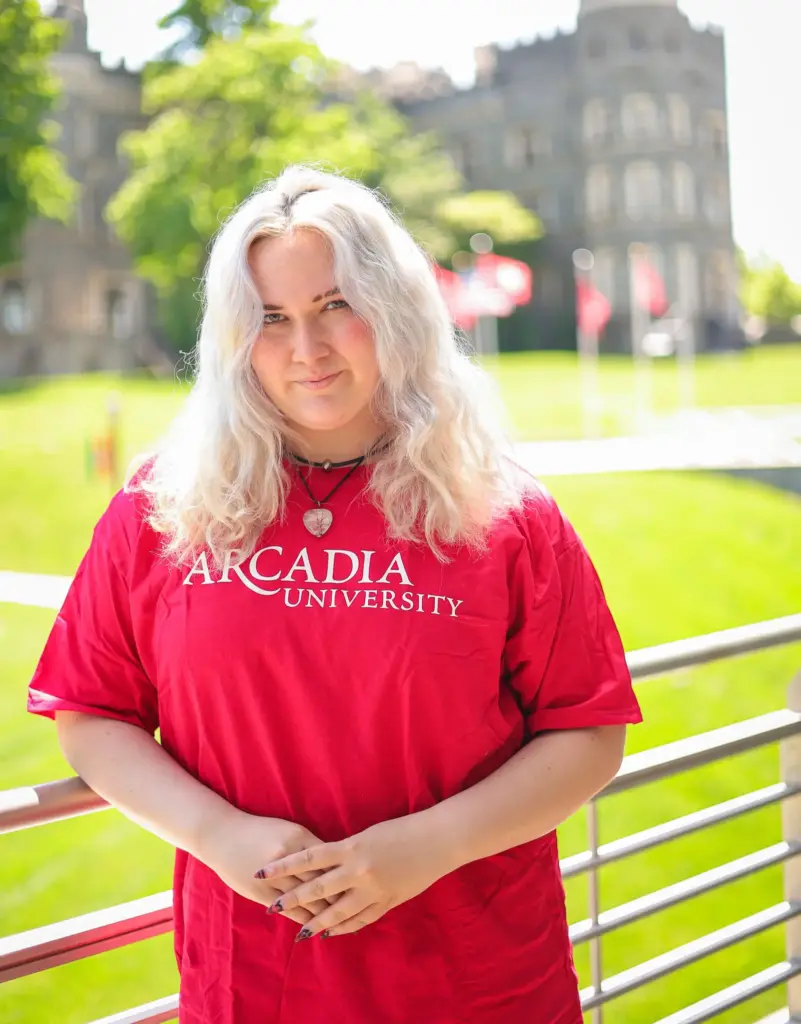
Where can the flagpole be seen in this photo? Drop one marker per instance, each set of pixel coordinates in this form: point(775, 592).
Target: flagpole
point(686, 358)
point(640, 322)
point(491, 335)
point(588, 352)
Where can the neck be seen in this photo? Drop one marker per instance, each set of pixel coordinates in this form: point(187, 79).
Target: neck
point(330, 446)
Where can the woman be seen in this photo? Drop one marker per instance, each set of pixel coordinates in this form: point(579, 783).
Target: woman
point(379, 658)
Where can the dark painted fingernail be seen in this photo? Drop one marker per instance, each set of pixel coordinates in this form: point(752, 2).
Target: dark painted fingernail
point(260, 873)
point(325, 935)
point(272, 909)
point(304, 933)
point(277, 907)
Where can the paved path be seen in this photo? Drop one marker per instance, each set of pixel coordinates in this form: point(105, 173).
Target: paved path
point(759, 438)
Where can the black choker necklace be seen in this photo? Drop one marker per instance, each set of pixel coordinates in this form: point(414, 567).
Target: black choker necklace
point(328, 465)
point(325, 465)
point(318, 520)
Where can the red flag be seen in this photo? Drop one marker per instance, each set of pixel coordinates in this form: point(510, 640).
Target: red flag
point(592, 308)
point(512, 277)
point(492, 287)
point(453, 291)
point(649, 288)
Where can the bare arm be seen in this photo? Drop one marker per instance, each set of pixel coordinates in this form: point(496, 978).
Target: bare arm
point(127, 767)
point(528, 796)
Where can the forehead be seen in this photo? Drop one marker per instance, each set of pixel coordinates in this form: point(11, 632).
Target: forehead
point(289, 266)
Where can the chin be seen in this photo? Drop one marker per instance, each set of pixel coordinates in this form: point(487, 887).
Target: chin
point(324, 423)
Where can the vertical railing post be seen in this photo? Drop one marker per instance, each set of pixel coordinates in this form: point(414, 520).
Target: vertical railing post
point(596, 963)
point(791, 832)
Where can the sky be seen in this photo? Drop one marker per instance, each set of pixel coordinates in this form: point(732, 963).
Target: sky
point(764, 83)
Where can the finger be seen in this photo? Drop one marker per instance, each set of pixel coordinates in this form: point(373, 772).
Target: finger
point(284, 885)
point(315, 858)
point(321, 889)
point(300, 915)
point(307, 876)
point(355, 924)
point(352, 904)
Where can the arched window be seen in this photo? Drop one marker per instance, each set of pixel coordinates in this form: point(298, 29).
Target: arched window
point(680, 119)
point(596, 47)
point(643, 188)
point(118, 315)
point(524, 146)
point(683, 191)
point(597, 122)
point(716, 200)
point(15, 308)
point(640, 116)
point(715, 131)
point(598, 193)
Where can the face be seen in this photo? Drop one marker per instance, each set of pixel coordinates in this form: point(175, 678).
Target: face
point(315, 358)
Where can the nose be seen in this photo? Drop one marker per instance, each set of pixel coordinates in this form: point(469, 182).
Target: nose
point(309, 342)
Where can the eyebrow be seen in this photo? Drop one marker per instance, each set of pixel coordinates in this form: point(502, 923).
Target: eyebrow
point(317, 298)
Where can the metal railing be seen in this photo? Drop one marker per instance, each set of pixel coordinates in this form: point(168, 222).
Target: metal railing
point(79, 937)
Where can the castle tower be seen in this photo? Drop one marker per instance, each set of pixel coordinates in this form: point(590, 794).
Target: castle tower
point(589, 6)
point(73, 12)
point(654, 139)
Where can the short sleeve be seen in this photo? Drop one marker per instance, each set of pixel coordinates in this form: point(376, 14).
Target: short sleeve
point(564, 658)
point(90, 662)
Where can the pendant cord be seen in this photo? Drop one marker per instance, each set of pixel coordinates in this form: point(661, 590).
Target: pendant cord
point(375, 450)
point(320, 501)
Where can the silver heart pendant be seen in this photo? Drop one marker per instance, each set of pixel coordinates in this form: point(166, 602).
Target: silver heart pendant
point(318, 521)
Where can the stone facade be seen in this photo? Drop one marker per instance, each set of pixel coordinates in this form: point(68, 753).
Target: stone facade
point(614, 134)
point(73, 303)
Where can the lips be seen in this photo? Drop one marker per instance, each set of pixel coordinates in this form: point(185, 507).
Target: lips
point(317, 383)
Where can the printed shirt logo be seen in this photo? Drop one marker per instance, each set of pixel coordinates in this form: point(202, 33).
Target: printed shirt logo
point(264, 573)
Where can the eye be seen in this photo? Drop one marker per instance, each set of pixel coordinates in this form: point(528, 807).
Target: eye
point(273, 318)
point(336, 304)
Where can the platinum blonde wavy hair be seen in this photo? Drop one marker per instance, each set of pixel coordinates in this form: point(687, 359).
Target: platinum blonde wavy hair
point(217, 479)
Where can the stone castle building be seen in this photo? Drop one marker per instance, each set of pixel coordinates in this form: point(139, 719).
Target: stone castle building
point(614, 134)
point(73, 303)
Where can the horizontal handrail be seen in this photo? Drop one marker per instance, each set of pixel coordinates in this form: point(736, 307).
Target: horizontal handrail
point(703, 749)
point(637, 842)
point(682, 956)
point(726, 643)
point(78, 937)
point(150, 1013)
point(687, 888)
point(47, 802)
point(735, 995)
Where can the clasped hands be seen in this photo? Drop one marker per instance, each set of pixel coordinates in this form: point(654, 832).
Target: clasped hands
point(351, 884)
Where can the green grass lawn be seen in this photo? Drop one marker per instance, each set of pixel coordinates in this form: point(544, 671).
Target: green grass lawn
point(678, 554)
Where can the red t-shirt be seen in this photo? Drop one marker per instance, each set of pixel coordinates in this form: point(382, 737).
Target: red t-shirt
point(339, 682)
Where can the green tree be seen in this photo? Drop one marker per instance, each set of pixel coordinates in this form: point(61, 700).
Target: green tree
point(247, 107)
point(202, 20)
point(768, 291)
point(33, 179)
